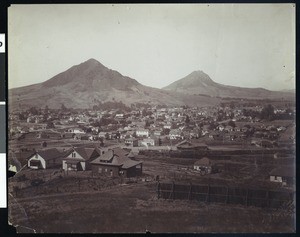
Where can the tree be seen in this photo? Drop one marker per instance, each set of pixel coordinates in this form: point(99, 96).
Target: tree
point(212, 126)
point(232, 105)
point(118, 135)
point(106, 136)
point(50, 125)
point(95, 107)
point(231, 123)
point(289, 111)
point(166, 131)
point(33, 111)
point(159, 142)
point(267, 112)
point(187, 119)
point(147, 123)
point(134, 134)
point(46, 109)
point(101, 141)
point(21, 116)
point(63, 107)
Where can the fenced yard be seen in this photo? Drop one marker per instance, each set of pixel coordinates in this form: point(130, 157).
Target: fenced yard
point(227, 195)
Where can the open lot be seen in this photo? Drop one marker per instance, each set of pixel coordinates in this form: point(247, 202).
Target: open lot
point(80, 203)
point(135, 208)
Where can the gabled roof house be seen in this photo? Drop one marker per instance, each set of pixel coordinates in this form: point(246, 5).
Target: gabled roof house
point(116, 163)
point(47, 158)
point(79, 158)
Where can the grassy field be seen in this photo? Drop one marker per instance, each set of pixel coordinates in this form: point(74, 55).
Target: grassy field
point(100, 204)
point(135, 208)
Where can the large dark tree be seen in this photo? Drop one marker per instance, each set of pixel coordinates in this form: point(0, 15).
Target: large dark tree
point(187, 119)
point(34, 111)
point(231, 123)
point(63, 108)
point(50, 125)
point(267, 112)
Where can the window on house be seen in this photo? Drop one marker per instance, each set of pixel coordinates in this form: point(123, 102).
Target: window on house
point(99, 170)
point(73, 154)
point(105, 170)
point(36, 156)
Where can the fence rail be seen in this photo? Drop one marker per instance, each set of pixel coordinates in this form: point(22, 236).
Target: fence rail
point(226, 195)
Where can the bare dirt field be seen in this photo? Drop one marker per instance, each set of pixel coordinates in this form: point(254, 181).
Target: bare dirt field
point(135, 208)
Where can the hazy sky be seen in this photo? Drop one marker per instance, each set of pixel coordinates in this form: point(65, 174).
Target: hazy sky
point(249, 45)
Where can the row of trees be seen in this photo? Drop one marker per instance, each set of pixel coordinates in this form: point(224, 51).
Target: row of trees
point(268, 113)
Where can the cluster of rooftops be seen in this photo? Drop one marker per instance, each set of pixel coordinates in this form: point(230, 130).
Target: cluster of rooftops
point(82, 158)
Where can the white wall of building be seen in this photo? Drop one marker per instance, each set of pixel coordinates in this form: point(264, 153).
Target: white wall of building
point(37, 157)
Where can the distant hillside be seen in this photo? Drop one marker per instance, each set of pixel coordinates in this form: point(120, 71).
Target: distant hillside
point(199, 82)
point(87, 84)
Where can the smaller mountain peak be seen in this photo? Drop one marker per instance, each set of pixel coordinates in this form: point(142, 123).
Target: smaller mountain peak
point(92, 60)
point(199, 75)
point(198, 72)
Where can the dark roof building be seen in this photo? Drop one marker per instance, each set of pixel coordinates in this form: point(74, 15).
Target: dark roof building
point(203, 165)
point(284, 175)
point(115, 163)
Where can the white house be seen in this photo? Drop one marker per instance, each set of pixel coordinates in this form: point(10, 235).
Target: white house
point(75, 130)
point(148, 142)
point(167, 126)
point(119, 116)
point(142, 132)
point(45, 159)
point(78, 158)
point(175, 134)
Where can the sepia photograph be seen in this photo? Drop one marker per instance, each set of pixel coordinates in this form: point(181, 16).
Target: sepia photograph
point(151, 118)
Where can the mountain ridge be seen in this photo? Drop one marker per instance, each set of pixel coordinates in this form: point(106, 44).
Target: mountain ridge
point(90, 82)
point(199, 82)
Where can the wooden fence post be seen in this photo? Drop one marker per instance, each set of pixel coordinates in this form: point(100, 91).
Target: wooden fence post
point(267, 198)
point(227, 195)
point(158, 190)
point(208, 192)
point(190, 191)
point(173, 189)
point(247, 197)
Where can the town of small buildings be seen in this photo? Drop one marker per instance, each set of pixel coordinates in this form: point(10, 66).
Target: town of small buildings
point(231, 145)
